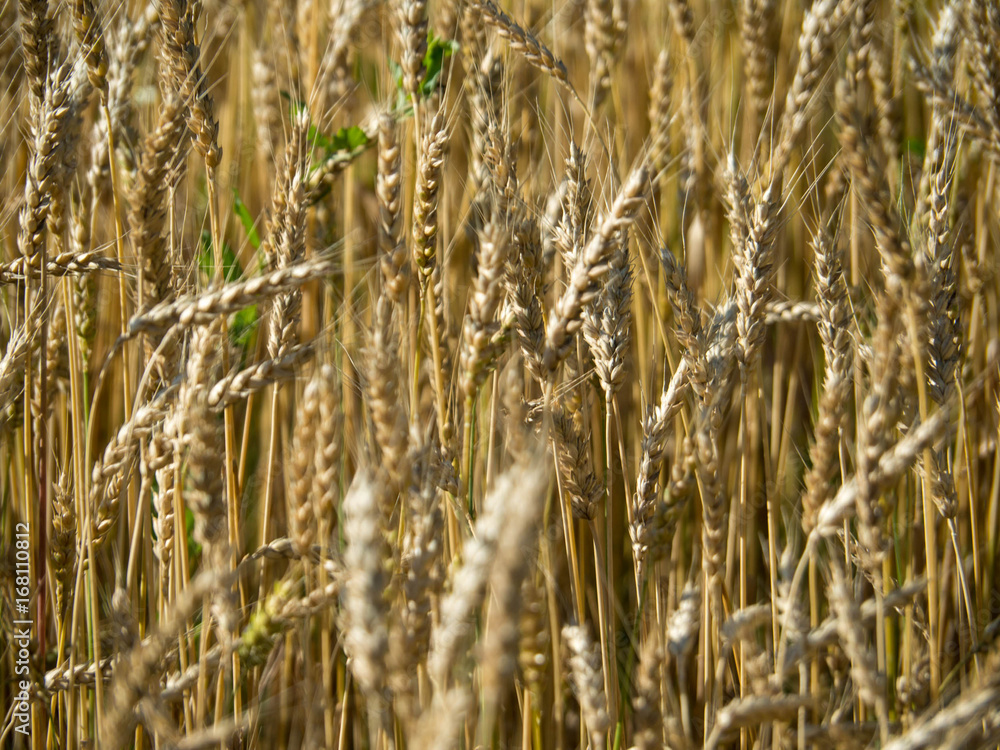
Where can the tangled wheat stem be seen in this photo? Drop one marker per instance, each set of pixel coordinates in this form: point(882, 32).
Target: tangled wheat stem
point(503, 673)
point(127, 390)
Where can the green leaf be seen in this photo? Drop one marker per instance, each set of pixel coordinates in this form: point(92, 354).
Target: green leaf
point(348, 139)
point(194, 548)
point(356, 137)
point(437, 50)
point(916, 146)
point(316, 138)
point(246, 220)
point(232, 270)
point(345, 139)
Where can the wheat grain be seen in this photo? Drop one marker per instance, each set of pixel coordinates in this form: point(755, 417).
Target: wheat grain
point(425, 203)
point(384, 397)
point(389, 190)
point(365, 602)
point(200, 309)
point(585, 670)
point(481, 333)
point(523, 42)
point(590, 268)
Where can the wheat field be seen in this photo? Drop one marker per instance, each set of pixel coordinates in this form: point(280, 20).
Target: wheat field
point(494, 374)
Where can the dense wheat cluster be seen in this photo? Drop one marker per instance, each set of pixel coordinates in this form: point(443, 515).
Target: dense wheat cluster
point(499, 374)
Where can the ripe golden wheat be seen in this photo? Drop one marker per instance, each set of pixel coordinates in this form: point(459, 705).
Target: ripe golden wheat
point(486, 374)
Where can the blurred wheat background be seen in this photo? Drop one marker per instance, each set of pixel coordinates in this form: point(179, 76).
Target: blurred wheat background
point(525, 374)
